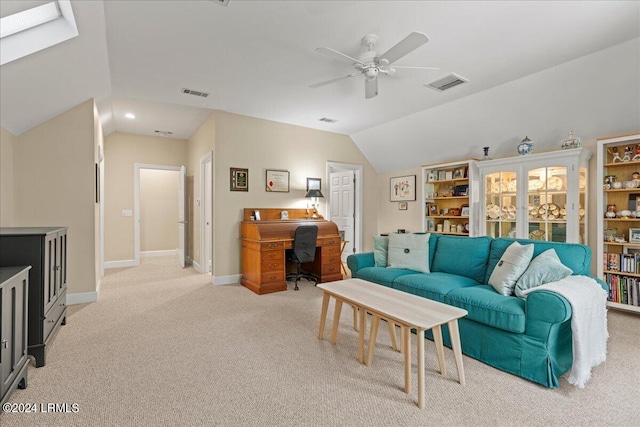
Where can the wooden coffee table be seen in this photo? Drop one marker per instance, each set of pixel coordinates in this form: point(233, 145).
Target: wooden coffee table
point(401, 308)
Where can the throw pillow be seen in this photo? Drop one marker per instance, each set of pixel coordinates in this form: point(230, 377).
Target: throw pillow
point(410, 251)
point(512, 264)
point(544, 268)
point(380, 249)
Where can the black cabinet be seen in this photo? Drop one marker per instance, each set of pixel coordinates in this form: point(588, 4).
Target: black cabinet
point(14, 295)
point(45, 250)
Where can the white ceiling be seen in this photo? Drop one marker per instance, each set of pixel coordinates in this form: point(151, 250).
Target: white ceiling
point(257, 58)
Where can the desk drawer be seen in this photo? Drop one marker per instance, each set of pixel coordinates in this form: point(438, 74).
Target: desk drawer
point(328, 269)
point(268, 266)
point(331, 241)
point(272, 276)
point(269, 246)
point(271, 256)
point(331, 259)
point(330, 250)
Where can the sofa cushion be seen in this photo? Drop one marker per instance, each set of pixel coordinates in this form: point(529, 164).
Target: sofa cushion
point(544, 268)
point(380, 249)
point(575, 256)
point(381, 275)
point(409, 251)
point(433, 286)
point(513, 262)
point(488, 307)
point(463, 256)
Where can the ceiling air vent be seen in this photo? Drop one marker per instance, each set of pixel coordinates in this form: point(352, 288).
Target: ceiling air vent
point(163, 132)
point(194, 92)
point(327, 120)
point(446, 82)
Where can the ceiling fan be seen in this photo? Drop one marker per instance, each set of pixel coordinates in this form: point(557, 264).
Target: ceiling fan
point(370, 64)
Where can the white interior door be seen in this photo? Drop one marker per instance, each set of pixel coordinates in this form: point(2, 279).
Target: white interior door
point(208, 217)
point(342, 190)
point(182, 218)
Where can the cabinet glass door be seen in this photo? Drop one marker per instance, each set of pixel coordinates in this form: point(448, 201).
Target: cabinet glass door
point(547, 195)
point(500, 204)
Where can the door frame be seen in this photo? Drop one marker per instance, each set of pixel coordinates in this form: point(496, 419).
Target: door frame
point(206, 158)
point(136, 202)
point(358, 173)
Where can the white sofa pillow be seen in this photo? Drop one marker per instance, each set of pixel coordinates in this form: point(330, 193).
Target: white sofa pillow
point(409, 251)
point(512, 264)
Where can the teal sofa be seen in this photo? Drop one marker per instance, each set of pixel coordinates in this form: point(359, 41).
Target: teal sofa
point(530, 338)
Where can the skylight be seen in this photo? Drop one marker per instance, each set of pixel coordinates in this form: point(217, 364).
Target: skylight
point(32, 30)
point(29, 18)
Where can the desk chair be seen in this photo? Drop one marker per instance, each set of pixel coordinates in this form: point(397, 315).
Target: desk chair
point(304, 250)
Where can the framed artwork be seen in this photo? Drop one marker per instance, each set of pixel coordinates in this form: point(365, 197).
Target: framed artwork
point(277, 181)
point(459, 173)
point(402, 206)
point(464, 211)
point(634, 235)
point(314, 184)
point(432, 209)
point(239, 179)
point(403, 188)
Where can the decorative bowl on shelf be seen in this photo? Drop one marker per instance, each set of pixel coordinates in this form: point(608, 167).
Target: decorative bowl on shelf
point(630, 184)
point(610, 214)
point(625, 213)
point(616, 185)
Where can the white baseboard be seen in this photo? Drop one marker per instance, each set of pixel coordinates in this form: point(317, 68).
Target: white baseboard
point(195, 265)
point(226, 280)
point(149, 254)
point(120, 264)
point(82, 298)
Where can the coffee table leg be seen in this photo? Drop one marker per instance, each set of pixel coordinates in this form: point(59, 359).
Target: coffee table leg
point(355, 317)
point(323, 314)
point(437, 339)
point(457, 349)
point(392, 332)
point(420, 339)
point(375, 322)
point(363, 327)
point(406, 348)
point(336, 320)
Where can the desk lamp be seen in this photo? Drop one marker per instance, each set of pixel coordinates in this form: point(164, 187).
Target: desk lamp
point(314, 195)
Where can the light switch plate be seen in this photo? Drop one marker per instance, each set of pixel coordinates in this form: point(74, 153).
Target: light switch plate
point(126, 212)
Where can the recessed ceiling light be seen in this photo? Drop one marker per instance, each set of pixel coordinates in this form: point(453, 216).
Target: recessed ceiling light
point(130, 116)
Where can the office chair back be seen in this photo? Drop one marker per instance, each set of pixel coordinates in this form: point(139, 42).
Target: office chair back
point(304, 243)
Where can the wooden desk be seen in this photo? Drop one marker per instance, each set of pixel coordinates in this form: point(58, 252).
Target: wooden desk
point(264, 243)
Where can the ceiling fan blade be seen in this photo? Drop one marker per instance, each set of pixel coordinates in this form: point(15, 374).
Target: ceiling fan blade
point(370, 88)
point(326, 82)
point(405, 46)
point(415, 68)
point(338, 55)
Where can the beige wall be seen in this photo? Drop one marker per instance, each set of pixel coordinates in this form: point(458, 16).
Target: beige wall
point(121, 152)
point(7, 147)
point(159, 209)
point(54, 176)
point(201, 142)
point(390, 217)
point(256, 144)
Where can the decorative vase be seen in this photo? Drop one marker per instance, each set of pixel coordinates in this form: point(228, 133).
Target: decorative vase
point(486, 153)
point(525, 146)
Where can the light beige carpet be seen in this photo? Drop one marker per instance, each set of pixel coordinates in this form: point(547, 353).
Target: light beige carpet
point(164, 347)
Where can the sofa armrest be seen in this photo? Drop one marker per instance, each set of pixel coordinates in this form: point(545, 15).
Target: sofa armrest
point(544, 310)
point(356, 262)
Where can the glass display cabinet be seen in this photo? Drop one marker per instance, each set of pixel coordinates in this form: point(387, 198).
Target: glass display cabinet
point(536, 196)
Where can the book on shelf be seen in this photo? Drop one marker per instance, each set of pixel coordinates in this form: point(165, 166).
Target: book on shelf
point(624, 263)
point(623, 289)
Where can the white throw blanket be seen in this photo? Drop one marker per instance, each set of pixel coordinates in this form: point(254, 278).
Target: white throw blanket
point(588, 323)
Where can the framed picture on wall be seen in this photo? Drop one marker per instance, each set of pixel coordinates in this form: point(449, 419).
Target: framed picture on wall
point(277, 181)
point(403, 188)
point(239, 179)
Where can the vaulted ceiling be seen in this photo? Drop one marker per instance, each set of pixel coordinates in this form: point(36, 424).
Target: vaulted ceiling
point(257, 58)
